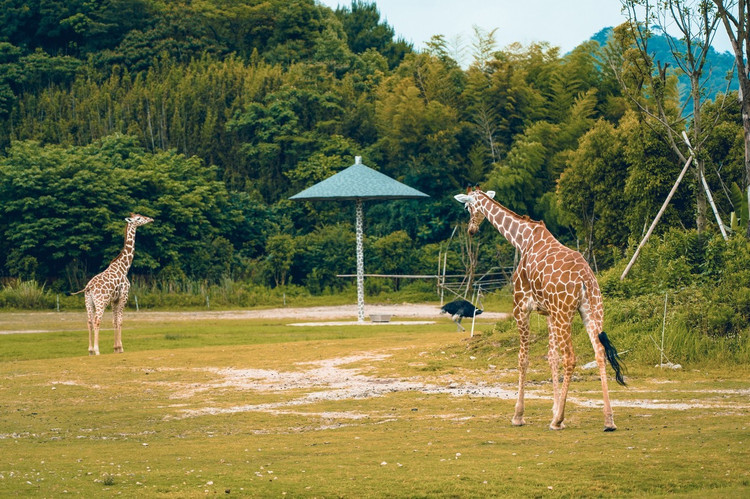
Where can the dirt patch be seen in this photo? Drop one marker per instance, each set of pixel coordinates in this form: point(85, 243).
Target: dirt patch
point(402, 310)
point(77, 320)
point(332, 380)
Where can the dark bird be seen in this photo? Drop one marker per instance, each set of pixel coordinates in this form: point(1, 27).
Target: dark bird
point(459, 309)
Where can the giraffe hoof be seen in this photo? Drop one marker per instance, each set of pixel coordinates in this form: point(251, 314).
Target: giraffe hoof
point(610, 428)
point(517, 422)
point(558, 427)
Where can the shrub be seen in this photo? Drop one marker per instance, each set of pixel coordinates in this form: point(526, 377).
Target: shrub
point(26, 295)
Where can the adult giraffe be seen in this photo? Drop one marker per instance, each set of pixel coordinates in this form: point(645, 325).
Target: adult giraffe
point(557, 282)
point(112, 286)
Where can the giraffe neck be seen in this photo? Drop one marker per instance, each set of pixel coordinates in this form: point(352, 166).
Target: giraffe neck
point(516, 229)
point(125, 257)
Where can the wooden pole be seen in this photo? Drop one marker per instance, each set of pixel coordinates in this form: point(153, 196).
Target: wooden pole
point(658, 216)
point(713, 207)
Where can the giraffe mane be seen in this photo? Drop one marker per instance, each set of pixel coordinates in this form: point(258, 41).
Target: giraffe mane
point(525, 218)
point(125, 234)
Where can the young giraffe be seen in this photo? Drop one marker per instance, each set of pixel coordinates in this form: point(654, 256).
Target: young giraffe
point(112, 286)
point(557, 282)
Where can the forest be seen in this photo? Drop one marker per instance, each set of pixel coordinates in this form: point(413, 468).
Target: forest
point(207, 115)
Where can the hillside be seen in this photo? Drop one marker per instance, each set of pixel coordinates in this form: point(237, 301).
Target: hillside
point(719, 65)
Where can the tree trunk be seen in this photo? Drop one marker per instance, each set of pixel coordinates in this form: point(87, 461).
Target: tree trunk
point(745, 103)
point(737, 30)
point(700, 166)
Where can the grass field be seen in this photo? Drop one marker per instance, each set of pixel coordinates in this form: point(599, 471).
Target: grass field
point(262, 409)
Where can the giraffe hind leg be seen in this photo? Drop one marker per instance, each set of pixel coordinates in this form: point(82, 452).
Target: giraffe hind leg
point(600, 353)
point(569, 363)
point(90, 320)
point(99, 313)
point(598, 341)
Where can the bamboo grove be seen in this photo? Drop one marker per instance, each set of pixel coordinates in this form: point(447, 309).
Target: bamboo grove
point(208, 114)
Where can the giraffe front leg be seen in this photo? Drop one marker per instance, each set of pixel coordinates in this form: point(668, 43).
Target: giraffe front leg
point(117, 324)
point(118, 309)
point(522, 321)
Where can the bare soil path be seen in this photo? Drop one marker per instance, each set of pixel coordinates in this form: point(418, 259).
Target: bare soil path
point(12, 322)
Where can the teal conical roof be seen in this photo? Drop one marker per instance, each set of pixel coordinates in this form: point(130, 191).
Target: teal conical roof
point(358, 182)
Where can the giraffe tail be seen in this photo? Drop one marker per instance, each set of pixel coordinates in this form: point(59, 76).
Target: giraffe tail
point(614, 360)
point(77, 292)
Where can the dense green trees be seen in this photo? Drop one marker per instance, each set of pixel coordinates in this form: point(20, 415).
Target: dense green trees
point(207, 115)
point(63, 209)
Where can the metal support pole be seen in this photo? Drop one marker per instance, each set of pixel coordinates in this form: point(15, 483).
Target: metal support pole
point(663, 327)
point(360, 264)
point(442, 288)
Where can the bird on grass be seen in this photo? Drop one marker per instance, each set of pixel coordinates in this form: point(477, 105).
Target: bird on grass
point(458, 309)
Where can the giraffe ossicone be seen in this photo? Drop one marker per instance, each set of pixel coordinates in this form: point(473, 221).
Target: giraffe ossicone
point(466, 199)
point(554, 281)
point(112, 286)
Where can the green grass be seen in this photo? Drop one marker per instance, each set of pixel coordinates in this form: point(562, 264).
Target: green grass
point(120, 424)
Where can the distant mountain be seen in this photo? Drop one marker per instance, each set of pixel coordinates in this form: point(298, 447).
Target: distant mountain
point(717, 65)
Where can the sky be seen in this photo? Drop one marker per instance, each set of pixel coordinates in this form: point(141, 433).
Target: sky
point(562, 23)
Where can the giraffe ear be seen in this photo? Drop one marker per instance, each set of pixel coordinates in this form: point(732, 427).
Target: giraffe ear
point(462, 198)
point(490, 194)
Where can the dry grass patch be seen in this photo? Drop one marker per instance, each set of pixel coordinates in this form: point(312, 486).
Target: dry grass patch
point(265, 409)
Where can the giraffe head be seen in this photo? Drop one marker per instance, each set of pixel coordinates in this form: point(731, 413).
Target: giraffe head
point(138, 220)
point(476, 217)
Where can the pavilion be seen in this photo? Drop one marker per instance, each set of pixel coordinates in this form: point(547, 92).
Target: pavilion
point(358, 183)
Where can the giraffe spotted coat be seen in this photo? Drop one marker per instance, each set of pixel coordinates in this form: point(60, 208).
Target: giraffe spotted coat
point(112, 286)
point(556, 282)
